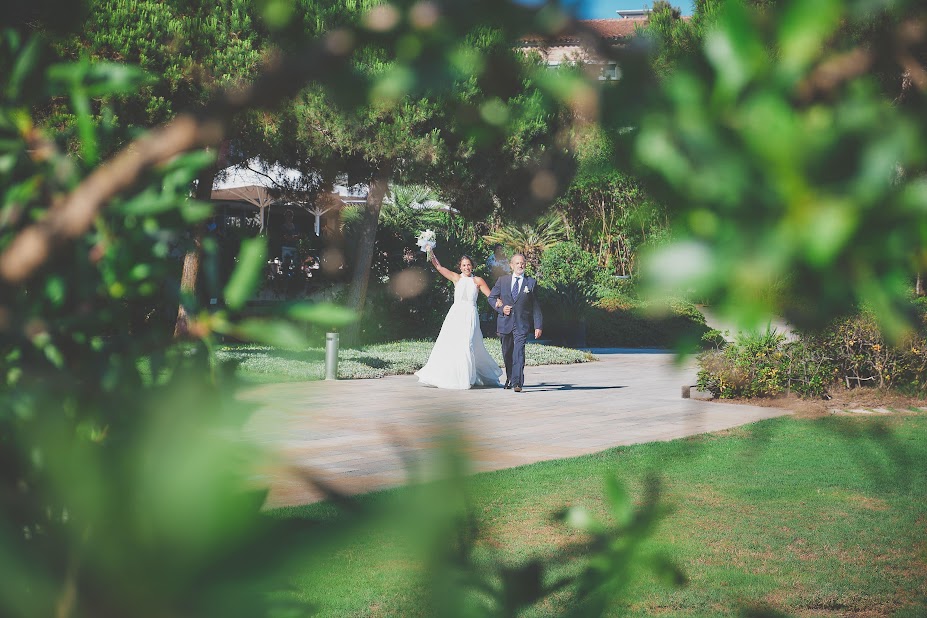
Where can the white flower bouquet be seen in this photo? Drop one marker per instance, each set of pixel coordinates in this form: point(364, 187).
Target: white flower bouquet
point(426, 241)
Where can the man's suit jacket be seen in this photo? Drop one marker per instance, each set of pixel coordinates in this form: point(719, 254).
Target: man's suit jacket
point(526, 312)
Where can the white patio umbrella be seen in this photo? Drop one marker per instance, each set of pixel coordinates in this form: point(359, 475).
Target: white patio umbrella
point(254, 180)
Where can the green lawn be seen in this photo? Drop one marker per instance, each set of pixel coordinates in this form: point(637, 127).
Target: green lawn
point(821, 517)
point(266, 364)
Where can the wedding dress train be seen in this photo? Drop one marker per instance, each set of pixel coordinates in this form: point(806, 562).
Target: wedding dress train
point(459, 359)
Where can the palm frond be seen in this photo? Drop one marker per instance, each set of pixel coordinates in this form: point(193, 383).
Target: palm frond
point(531, 239)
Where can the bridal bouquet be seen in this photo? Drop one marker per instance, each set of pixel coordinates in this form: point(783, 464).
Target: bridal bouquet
point(426, 241)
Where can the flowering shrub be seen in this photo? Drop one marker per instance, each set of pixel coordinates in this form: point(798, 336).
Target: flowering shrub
point(866, 358)
point(808, 366)
point(851, 352)
point(751, 366)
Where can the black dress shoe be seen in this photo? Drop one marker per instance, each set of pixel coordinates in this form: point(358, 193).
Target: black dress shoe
point(517, 389)
point(507, 385)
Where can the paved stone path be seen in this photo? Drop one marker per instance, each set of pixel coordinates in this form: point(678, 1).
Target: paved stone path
point(361, 435)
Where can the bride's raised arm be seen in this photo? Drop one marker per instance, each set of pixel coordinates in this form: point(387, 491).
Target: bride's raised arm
point(447, 274)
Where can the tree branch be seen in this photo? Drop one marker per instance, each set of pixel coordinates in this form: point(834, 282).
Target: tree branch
point(73, 216)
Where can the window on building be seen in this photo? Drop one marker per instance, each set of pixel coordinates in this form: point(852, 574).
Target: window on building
point(610, 71)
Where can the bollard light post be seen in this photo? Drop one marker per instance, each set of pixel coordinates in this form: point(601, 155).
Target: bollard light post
point(331, 356)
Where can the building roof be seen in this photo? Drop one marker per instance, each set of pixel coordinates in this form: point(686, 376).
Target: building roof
point(608, 29)
point(255, 182)
point(249, 193)
point(634, 13)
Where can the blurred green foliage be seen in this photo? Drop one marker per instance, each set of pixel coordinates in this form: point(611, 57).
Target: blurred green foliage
point(115, 471)
point(784, 158)
point(784, 162)
point(125, 487)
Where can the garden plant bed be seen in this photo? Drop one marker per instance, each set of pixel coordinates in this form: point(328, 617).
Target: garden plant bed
point(841, 400)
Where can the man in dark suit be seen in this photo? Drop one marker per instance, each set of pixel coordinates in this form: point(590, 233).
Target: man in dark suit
point(513, 297)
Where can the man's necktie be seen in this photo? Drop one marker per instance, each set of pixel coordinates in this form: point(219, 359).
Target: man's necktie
point(515, 287)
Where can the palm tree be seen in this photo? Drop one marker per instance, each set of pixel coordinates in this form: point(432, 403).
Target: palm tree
point(410, 196)
point(530, 239)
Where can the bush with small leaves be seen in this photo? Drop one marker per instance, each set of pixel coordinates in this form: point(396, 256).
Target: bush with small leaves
point(851, 352)
point(627, 322)
point(750, 366)
point(863, 356)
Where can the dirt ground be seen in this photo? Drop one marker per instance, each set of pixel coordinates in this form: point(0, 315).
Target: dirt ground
point(841, 399)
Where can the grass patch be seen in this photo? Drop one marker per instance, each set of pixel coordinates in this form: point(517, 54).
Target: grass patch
point(264, 364)
point(802, 517)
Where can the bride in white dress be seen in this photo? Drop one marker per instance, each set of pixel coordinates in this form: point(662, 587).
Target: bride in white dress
point(459, 359)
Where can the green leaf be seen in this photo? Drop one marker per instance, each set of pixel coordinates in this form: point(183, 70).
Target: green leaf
point(183, 170)
point(54, 355)
point(392, 86)
point(805, 28)
point(151, 202)
point(21, 193)
point(277, 13)
point(734, 50)
point(10, 145)
point(140, 272)
point(62, 77)
point(7, 162)
point(914, 196)
point(244, 281)
point(89, 146)
point(25, 64)
point(619, 500)
point(326, 314)
point(98, 79)
point(107, 78)
point(194, 211)
point(276, 333)
point(55, 290)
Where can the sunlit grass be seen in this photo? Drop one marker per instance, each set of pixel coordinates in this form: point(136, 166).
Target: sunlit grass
point(267, 364)
point(785, 517)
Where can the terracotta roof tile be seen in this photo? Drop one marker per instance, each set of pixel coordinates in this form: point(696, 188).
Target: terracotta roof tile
point(609, 29)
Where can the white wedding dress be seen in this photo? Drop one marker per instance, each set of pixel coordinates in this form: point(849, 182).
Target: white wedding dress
point(459, 359)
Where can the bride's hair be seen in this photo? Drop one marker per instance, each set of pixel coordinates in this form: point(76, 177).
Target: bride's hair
point(464, 257)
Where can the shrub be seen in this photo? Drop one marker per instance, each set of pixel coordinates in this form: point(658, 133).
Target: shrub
point(607, 284)
point(566, 278)
point(625, 322)
point(751, 366)
point(567, 263)
point(851, 350)
point(387, 317)
point(567, 307)
point(809, 369)
point(125, 485)
point(585, 305)
point(863, 356)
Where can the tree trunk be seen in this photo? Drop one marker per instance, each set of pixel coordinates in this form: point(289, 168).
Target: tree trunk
point(366, 242)
point(919, 285)
point(191, 261)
